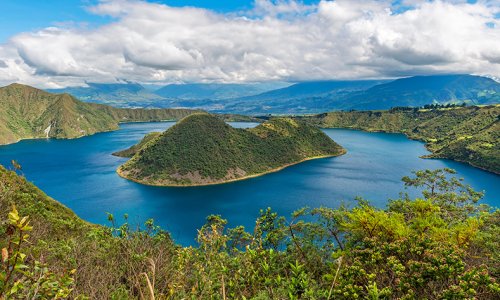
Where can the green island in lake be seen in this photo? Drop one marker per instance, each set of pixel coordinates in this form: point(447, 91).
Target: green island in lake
point(202, 149)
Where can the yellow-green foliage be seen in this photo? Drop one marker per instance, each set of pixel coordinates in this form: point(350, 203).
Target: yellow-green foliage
point(22, 279)
point(441, 245)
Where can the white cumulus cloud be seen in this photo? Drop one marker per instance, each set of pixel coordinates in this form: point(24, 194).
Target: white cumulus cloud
point(276, 40)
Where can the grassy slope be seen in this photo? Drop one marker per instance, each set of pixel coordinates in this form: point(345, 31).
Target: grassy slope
point(26, 112)
point(65, 242)
point(469, 134)
point(54, 224)
point(202, 149)
point(49, 216)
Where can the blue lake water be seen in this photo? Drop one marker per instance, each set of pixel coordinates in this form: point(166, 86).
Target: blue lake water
point(80, 173)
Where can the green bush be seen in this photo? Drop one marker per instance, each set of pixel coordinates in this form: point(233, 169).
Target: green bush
point(442, 245)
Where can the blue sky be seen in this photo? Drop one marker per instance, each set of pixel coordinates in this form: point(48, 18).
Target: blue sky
point(29, 15)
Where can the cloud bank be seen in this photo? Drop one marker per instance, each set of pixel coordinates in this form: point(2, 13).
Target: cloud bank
point(276, 40)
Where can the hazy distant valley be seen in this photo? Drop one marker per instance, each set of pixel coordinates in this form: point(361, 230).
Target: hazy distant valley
point(297, 98)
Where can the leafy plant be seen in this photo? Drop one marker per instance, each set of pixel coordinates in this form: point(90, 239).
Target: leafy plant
point(19, 280)
point(442, 245)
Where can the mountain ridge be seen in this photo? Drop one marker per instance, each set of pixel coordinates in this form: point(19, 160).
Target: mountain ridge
point(30, 113)
point(116, 94)
point(410, 91)
point(301, 97)
point(213, 91)
point(421, 90)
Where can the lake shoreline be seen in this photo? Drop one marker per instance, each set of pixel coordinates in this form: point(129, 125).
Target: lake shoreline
point(432, 155)
point(124, 176)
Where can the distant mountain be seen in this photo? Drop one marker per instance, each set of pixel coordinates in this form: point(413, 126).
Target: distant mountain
point(303, 96)
point(27, 112)
point(196, 95)
point(202, 149)
point(314, 88)
point(211, 96)
point(313, 97)
point(421, 90)
point(215, 91)
point(116, 94)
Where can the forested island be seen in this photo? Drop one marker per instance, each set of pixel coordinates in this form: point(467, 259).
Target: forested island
point(202, 149)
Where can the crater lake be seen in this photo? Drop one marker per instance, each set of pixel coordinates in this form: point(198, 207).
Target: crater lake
point(80, 173)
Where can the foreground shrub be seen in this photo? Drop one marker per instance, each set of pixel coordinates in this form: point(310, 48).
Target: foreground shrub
point(442, 245)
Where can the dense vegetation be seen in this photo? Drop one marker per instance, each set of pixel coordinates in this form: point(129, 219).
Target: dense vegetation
point(26, 112)
point(442, 245)
point(203, 149)
point(144, 115)
point(466, 134)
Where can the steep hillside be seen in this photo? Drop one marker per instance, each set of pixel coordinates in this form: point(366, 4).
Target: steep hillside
point(469, 134)
point(201, 149)
point(421, 90)
point(450, 243)
point(27, 113)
